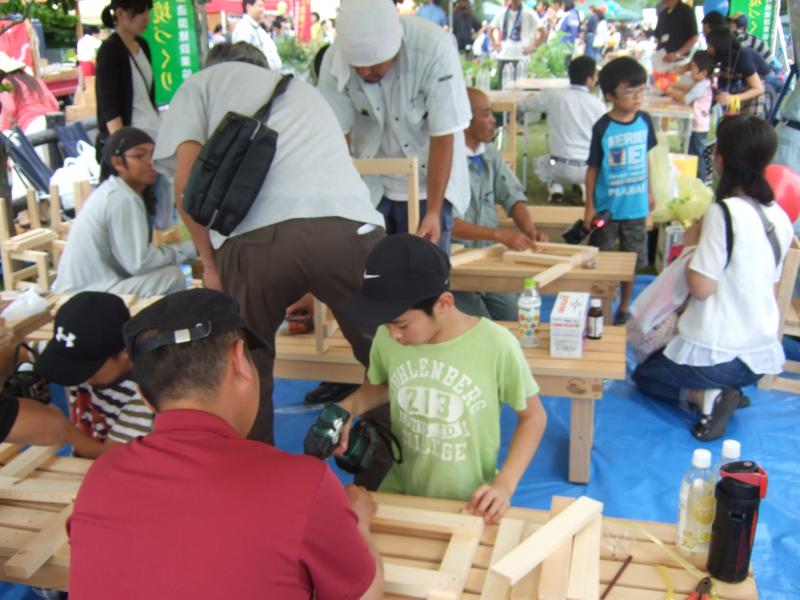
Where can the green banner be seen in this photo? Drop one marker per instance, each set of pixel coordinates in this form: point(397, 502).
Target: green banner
point(761, 15)
point(172, 36)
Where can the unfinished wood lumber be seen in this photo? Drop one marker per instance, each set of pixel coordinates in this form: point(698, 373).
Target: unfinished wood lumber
point(555, 576)
point(27, 462)
point(468, 256)
point(38, 490)
point(509, 535)
point(530, 553)
point(40, 548)
point(406, 167)
point(584, 571)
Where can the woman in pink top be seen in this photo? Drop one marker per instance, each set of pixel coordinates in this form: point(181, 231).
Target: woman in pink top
point(27, 102)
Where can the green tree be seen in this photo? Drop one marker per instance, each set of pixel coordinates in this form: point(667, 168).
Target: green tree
point(57, 17)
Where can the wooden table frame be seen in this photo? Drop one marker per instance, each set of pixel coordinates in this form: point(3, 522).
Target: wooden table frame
point(579, 379)
point(484, 270)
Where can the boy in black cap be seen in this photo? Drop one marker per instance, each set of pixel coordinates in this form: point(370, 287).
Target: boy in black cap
point(194, 510)
point(87, 355)
point(109, 247)
point(446, 374)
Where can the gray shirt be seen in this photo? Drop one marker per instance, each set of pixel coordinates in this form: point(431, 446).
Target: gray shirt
point(109, 242)
point(491, 182)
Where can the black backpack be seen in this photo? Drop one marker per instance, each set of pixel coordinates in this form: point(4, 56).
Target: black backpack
point(232, 167)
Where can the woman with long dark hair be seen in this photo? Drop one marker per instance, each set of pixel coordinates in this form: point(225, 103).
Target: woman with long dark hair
point(742, 74)
point(728, 333)
point(125, 91)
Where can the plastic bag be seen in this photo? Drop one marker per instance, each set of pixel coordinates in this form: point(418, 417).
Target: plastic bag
point(662, 174)
point(27, 304)
point(82, 168)
point(691, 201)
point(655, 310)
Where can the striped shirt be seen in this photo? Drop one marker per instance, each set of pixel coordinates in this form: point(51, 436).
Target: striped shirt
point(114, 412)
point(750, 41)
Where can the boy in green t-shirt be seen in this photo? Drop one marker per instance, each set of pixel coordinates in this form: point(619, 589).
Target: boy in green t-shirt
point(446, 374)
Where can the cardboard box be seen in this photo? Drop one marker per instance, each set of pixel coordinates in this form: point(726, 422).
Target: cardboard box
point(568, 324)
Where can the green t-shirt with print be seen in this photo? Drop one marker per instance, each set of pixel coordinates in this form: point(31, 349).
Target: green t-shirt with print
point(445, 404)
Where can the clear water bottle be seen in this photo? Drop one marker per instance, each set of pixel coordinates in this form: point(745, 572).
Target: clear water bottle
point(509, 74)
point(529, 306)
point(696, 507)
point(522, 68)
point(731, 452)
point(483, 81)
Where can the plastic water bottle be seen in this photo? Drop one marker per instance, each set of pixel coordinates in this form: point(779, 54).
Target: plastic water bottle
point(731, 452)
point(483, 81)
point(522, 69)
point(509, 74)
point(529, 306)
point(697, 506)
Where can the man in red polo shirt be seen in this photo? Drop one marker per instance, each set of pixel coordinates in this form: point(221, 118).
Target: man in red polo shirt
point(194, 510)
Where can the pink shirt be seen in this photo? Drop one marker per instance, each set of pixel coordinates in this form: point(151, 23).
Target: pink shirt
point(700, 96)
point(23, 111)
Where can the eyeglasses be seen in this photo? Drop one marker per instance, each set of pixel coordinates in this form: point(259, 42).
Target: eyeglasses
point(143, 156)
point(636, 92)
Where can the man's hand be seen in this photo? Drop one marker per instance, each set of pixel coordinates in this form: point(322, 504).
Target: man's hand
point(516, 240)
point(430, 227)
point(362, 504)
point(490, 502)
point(211, 278)
point(305, 304)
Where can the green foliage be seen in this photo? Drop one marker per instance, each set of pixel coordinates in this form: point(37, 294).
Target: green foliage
point(471, 67)
point(550, 59)
point(295, 55)
point(57, 23)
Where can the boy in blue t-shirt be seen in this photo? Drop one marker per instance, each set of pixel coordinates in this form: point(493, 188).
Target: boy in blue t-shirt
point(617, 179)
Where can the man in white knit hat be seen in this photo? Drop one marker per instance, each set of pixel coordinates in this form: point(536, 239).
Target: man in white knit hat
point(396, 87)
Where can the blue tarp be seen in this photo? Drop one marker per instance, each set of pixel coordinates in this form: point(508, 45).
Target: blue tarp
point(641, 450)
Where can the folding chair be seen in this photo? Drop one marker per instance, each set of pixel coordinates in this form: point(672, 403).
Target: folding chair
point(28, 164)
point(68, 137)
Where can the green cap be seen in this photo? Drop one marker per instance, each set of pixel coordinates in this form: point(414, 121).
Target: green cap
point(530, 282)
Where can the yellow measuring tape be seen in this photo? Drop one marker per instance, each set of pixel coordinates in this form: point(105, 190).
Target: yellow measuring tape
point(735, 104)
point(687, 566)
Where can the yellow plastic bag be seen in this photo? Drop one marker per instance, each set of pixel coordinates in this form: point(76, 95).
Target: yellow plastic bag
point(690, 203)
point(661, 174)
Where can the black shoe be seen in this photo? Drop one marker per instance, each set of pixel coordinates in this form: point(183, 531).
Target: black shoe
point(577, 195)
point(329, 391)
point(713, 426)
point(622, 317)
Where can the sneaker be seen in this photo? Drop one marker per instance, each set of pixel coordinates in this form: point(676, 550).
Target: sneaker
point(622, 317)
point(712, 426)
point(328, 391)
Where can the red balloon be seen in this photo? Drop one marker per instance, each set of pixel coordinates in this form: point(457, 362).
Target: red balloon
point(785, 184)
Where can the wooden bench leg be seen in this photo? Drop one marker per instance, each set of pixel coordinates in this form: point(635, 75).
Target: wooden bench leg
point(581, 439)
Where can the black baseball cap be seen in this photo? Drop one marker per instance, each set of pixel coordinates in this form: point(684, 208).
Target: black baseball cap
point(185, 317)
point(402, 270)
point(87, 331)
point(122, 140)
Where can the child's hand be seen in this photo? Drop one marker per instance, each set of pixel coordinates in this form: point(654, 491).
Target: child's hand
point(490, 502)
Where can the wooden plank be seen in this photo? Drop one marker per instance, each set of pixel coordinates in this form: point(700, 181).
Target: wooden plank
point(537, 547)
point(581, 439)
point(468, 256)
point(536, 258)
point(7, 450)
point(585, 565)
point(415, 519)
point(509, 535)
point(550, 274)
point(38, 490)
point(458, 560)
point(33, 209)
point(36, 552)
point(527, 587)
point(555, 577)
point(414, 582)
point(28, 461)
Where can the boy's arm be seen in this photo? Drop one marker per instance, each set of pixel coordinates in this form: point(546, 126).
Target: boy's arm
point(492, 501)
point(364, 399)
point(588, 211)
point(676, 93)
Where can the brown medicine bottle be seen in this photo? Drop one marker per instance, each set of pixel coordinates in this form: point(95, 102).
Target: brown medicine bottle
point(595, 320)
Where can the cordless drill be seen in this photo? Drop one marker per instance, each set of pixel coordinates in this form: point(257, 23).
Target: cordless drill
point(577, 232)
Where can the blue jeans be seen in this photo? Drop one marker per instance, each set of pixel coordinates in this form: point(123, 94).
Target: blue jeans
point(697, 143)
point(663, 379)
point(395, 213)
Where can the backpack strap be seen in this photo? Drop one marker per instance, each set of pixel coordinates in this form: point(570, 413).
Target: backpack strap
point(726, 212)
point(769, 230)
point(264, 111)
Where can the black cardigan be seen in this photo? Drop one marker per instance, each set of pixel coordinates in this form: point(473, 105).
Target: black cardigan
point(114, 82)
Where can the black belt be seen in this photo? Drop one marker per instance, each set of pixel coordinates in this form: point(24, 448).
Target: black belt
point(567, 161)
point(792, 124)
